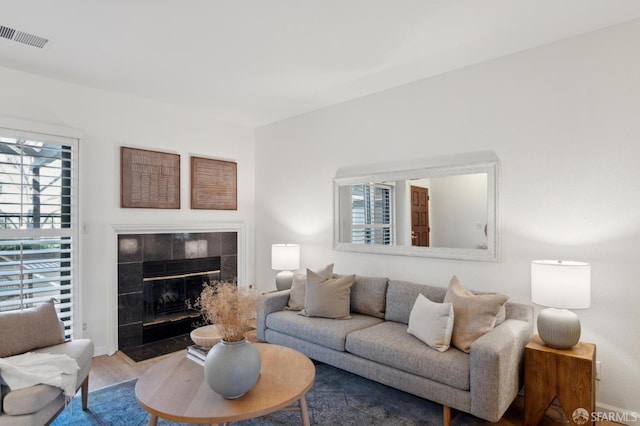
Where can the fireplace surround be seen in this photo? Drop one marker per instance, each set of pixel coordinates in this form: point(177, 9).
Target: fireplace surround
point(167, 268)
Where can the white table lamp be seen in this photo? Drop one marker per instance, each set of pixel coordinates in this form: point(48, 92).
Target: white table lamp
point(285, 258)
point(560, 285)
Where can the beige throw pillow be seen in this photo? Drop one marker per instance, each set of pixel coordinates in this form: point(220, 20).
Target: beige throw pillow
point(328, 298)
point(299, 285)
point(432, 322)
point(32, 328)
point(475, 314)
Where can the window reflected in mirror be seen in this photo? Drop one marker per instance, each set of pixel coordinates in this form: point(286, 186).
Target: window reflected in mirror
point(370, 216)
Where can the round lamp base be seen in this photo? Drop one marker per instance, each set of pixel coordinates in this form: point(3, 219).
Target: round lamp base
point(284, 279)
point(559, 328)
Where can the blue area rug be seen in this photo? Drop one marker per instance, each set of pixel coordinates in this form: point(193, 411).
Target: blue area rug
point(336, 398)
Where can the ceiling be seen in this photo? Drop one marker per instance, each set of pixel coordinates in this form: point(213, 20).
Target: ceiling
point(254, 62)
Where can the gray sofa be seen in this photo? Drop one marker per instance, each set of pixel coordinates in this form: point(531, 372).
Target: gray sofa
point(39, 330)
point(375, 344)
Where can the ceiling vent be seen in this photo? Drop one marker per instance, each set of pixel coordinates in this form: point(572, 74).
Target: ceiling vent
point(22, 37)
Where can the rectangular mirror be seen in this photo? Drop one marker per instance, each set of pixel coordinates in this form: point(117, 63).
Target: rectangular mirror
point(444, 208)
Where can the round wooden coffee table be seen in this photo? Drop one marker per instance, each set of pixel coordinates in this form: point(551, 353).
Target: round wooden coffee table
point(175, 389)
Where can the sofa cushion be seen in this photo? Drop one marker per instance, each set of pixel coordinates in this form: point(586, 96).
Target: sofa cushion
point(32, 328)
point(29, 400)
point(389, 343)
point(369, 295)
point(475, 314)
point(328, 298)
point(401, 296)
point(32, 399)
point(431, 322)
point(322, 331)
point(299, 286)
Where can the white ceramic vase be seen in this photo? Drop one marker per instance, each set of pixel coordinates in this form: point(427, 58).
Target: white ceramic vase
point(232, 368)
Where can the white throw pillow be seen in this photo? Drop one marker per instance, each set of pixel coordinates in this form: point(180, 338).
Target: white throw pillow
point(431, 322)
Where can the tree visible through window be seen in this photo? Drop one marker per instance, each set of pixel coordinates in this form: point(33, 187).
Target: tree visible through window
point(36, 223)
point(371, 221)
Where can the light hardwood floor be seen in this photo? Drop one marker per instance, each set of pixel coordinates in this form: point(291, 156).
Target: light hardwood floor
point(118, 368)
point(110, 370)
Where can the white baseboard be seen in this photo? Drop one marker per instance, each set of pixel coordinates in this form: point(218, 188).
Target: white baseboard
point(100, 350)
point(617, 414)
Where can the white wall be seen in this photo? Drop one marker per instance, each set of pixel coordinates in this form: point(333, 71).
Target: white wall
point(109, 121)
point(564, 121)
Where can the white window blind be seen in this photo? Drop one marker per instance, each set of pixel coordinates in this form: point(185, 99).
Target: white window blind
point(37, 222)
point(371, 220)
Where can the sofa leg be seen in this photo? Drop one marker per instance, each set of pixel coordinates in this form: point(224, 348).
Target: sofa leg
point(84, 390)
point(447, 415)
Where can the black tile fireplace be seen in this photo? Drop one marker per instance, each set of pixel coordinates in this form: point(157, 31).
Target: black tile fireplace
point(159, 278)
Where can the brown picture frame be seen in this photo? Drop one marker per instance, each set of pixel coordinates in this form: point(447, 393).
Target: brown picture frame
point(214, 184)
point(149, 179)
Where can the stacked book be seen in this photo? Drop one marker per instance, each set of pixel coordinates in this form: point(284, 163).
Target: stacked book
point(197, 353)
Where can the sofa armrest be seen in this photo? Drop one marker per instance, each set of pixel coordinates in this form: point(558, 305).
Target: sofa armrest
point(496, 368)
point(520, 311)
point(268, 303)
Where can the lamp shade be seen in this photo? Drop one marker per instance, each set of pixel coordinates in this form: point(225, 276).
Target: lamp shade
point(561, 284)
point(285, 257)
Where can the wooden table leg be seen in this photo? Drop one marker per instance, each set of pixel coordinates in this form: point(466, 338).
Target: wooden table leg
point(447, 415)
point(539, 384)
point(153, 420)
point(576, 386)
point(85, 393)
point(304, 412)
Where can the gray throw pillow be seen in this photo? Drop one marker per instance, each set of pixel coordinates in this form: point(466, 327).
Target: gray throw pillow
point(369, 295)
point(474, 314)
point(299, 285)
point(327, 298)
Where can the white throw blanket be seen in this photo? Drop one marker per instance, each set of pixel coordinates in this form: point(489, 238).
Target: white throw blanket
point(32, 368)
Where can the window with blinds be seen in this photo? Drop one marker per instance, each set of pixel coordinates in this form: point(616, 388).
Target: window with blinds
point(37, 222)
point(371, 220)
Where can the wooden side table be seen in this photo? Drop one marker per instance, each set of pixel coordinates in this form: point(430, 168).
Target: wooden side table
point(568, 374)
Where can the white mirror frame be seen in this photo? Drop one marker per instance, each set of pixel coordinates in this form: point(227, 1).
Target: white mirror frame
point(483, 162)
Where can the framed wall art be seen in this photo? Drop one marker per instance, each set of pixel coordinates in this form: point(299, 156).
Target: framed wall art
point(214, 184)
point(149, 179)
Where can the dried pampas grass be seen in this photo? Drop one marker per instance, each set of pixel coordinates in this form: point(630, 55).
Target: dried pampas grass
point(231, 309)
